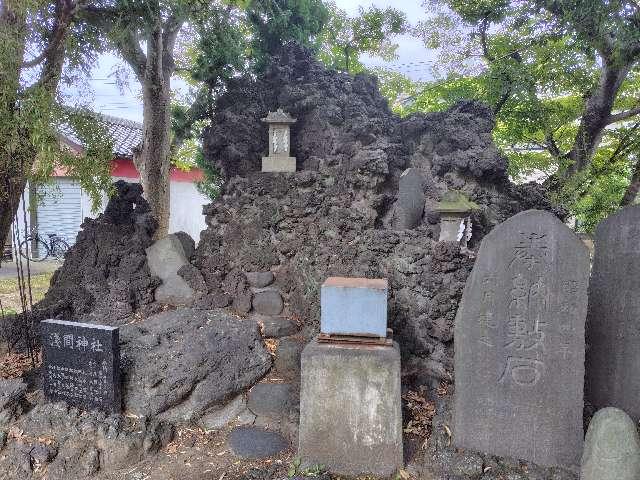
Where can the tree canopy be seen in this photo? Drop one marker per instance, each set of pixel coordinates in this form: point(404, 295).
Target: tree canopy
point(563, 78)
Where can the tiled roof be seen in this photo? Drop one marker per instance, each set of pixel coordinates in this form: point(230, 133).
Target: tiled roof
point(126, 134)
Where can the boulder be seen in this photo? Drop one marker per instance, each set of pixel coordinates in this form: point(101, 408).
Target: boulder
point(267, 301)
point(180, 364)
point(260, 279)
point(166, 257)
point(275, 326)
point(612, 447)
point(11, 397)
point(234, 411)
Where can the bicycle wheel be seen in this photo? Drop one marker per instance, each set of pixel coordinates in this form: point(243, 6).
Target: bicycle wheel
point(58, 248)
point(34, 249)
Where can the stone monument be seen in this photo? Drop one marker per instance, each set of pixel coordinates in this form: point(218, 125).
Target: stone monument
point(613, 325)
point(350, 405)
point(165, 257)
point(411, 198)
point(455, 217)
point(279, 159)
point(81, 364)
point(519, 343)
point(611, 448)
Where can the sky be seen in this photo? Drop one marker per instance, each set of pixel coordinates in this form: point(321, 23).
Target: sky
point(126, 103)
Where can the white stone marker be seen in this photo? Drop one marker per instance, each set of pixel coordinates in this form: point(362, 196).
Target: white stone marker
point(279, 159)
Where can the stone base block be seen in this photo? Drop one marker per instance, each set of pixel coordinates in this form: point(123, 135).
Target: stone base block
point(350, 410)
point(278, 164)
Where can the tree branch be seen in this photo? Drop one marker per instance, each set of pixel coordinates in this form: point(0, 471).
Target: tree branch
point(631, 193)
point(618, 117)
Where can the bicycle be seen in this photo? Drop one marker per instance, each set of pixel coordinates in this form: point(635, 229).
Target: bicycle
point(55, 247)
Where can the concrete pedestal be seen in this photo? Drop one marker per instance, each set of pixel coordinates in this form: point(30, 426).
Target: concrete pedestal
point(278, 163)
point(350, 409)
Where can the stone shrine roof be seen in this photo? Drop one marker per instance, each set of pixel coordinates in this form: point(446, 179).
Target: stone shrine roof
point(279, 116)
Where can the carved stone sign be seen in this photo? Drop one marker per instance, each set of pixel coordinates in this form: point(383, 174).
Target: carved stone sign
point(81, 364)
point(279, 159)
point(613, 326)
point(411, 198)
point(519, 343)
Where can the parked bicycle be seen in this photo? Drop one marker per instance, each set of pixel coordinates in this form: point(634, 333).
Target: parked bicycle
point(40, 248)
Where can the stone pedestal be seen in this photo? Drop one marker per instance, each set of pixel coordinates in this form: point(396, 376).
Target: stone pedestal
point(350, 409)
point(280, 163)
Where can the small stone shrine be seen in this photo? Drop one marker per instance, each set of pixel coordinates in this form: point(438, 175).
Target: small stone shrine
point(81, 364)
point(350, 405)
point(519, 343)
point(611, 448)
point(455, 217)
point(613, 357)
point(279, 159)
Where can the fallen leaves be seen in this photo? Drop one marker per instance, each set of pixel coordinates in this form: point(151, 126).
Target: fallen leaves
point(421, 412)
point(13, 365)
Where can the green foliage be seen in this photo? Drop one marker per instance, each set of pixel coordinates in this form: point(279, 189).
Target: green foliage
point(310, 472)
point(535, 62)
point(275, 22)
point(345, 38)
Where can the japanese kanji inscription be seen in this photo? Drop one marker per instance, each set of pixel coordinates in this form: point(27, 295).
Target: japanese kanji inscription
point(81, 364)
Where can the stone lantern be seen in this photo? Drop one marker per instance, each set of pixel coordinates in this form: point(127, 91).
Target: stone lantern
point(455, 217)
point(279, 159)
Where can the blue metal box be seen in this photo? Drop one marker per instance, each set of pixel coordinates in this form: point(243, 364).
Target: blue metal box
point(354, 306)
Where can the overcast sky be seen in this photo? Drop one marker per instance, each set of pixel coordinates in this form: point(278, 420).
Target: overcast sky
point(108, 99)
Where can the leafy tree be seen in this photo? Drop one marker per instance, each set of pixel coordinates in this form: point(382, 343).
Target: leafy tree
point(345, 38)
point(563, 77)
point(275, 22)
point(37, 38)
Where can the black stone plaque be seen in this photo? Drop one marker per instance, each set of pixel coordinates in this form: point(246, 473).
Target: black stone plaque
point(81, 364)
point(519, 343)
point(613, 324)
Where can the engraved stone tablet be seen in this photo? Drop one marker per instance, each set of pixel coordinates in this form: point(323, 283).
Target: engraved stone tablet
point(411, 198)
point(81, 364)
point(519, 343)
point(613, 325)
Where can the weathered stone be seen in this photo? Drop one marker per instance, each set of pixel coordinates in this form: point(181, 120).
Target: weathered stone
point(519, 343)
point(612, 447)
point(354, 306)
point(165, 257)
point(613, 356)
point(411, 198)
point(81, 364)
point(350, 409)
point(279, 143)
point(181, 363)
point(11, 397)
point(267, 301)
point(255, 442)
point(272, 400)
point(275, 326)
point(287, 361)
point(218, 417)
point(259, 279)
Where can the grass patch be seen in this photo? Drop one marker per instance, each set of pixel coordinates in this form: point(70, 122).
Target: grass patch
point(10, 294)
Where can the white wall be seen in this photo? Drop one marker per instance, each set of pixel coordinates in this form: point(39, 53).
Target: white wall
point(186, 207)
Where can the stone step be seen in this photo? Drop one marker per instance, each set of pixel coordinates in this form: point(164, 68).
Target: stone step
point(275, 326)
point(273, 400)
point(255, 442)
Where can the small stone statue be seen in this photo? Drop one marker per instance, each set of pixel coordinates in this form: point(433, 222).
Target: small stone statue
point(611, 448)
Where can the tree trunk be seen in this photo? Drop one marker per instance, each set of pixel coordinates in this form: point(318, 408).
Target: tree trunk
point(153, 159)
point(12, 38)
point(633, 189)
point(595, 117)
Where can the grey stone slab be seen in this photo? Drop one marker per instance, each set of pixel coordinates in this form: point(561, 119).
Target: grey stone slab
point(218, 417)
point(272, 400)
point(165, 257)
point(255, 442)
point(354, 306)
point(287, 361)
point(267, 301)
point(613, 323)
point(350, 409)
point(519, 343)
point(81, 364)
point(411, 198)
point(612, 447)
